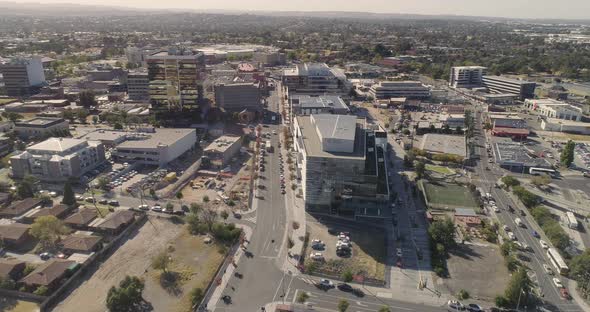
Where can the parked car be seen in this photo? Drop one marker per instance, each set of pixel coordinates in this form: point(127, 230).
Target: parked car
point(325, 283)
point(345, 287)
point(113, 203)
point(547, 269)
point(317, 256)
point(143, 207)
point(544, 244)
point(399, 252)
point(103, 201)
point(472, 307)
point(317, 244)
point(456, 305)
point(557, 282)
point(46, 256)
point(157, 208)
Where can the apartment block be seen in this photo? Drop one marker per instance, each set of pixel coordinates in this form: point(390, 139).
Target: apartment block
point(58, 159)
point(466, 76)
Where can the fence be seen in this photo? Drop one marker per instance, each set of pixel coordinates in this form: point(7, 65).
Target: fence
point(91, 263)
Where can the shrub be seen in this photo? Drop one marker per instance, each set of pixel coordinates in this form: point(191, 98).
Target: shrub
point(346, 276)
point(196, 295)
point(463, 294)
point(302, 297)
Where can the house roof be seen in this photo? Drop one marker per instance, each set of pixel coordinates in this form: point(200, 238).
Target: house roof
point(13, 231)
point(116, 219)
point(80, 242)
point(55, 211)
point(18, 208)
point(82, 217)
point(7, 266)
point(48, 272)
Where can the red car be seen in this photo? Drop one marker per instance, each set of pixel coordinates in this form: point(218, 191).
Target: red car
point(565, 294)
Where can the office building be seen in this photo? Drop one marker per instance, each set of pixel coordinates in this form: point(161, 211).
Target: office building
point(341, 164)
point(23, 77)
point(305, 105)
point(238, 96)
point(508, 125)
point(315, 79)
point(156, 146)
point(270, 58)
point(222, 150)
point(175, 88)
point(138, 86)
point(502, 85)
point(399, 89)
point(466, 76)
point(58, 159)
point(41, 127)
point(551, 108)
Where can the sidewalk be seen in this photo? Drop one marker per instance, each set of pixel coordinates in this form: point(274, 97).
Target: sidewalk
point(573, 290)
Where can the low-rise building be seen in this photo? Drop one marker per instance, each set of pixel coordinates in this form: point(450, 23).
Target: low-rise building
point(222, 150)
point(116, 222)
point(41, 127)
point(81, 219)
point(396, 89)
point(49, 274)
point(515, 157)
point(341, 163)
point(444, 144)
point(551, 108)
point(58, 211)
point(11, 269)
point(80, 243)
point(315, 79)
point(14, 235)
point(19, 208)
point(562, 125)
point(58, 159)
point(453, 120)
point(156, 146)
point(238, 96)
point(305, 105)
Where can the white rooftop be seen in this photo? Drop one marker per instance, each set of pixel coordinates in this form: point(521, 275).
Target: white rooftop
point(58, 145)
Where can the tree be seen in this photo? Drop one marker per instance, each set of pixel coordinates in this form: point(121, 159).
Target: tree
point(118, 126)
point(224, 215)
point(205, 199)
point(347, 276)
point(527, 198)
point(41, 291)
point(541, 180)
point(69, 115)
point(161, 261)
point(384, 309)
point(87, 98)
point(580, 271)
point(197, 294)
point(26, 187)
point(518, 288)
point(82, 114)
point(302, 297)
point(208, 216)
point(127, 297)
point(420, 168)
point(69, 197)
point(102, 183)
point(94, 119)
point(179, 196)
point(14, 116)
point(7, 283)
point(343, 305)
point(567, 155)
point(443, 232)
point(47, 229)
point(510, 181)
point(195, 208)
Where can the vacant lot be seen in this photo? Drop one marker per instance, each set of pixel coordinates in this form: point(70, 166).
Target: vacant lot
point(12, 305)
point(368, 251)
point(440, 195)
point(478, 269)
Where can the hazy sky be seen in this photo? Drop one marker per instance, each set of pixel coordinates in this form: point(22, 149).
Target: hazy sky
point(502, 8)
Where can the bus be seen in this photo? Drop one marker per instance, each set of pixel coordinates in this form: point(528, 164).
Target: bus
point(572, 222)
point(539, 171)
point(557, 261)
point(268, 146)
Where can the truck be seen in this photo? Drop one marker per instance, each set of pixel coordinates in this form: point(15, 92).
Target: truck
point(268, 146)
point(519, 222)
point(572, 222)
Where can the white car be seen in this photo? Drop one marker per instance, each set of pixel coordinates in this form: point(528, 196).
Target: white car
point(496, 209)
point(547, 269)
point(157, 208)
point(399, 252)
point(317, 256)
point(557, 282)
point(511, 236)
point(325, 283)
point(454, 304)
point(506, 228)
point(544, 244)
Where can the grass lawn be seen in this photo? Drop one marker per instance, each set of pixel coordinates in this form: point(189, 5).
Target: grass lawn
point(6, 101)
point(449, 194)
point(12, 305)
point(439, 169)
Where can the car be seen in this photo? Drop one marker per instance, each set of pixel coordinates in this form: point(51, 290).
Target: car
point(79, 197)
point(472, 307)
point(506, 228)
point(547, 269)
point(527, 248)
point(46, 256)
point(399, 252)
point(113, 203)
point(456, 305)
point(565, 294)
point(53, 194)
point(103, 201)
point(535, 234)
point(343, 252)
point(317, 256)
point(511, 236)
point(522, 213)
point(143, 207)
point(544, 244)
point(345, 287)
point(283, 192)
point(89, 199)
point(557, 282)
point(357, 292)
point(496, 209)
point(325, 283)
point(157, 208)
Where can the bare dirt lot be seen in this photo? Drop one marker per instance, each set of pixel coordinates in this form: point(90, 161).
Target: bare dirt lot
point(192, 260)
point(478, 269)
point(12, 305)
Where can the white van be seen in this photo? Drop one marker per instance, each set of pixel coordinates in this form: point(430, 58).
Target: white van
point(518, 222)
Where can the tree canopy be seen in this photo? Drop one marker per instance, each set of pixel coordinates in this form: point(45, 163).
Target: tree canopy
point(127, 297)
point(48, 229)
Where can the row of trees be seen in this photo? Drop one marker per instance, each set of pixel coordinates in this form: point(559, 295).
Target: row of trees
point(567, 155)
point(442, 239)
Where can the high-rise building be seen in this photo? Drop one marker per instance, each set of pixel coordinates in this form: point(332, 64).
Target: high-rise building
point(315, 79)
point(23, 77)
point(397, 89)
point(138, 86)
point(175, 87)
point(466, 76)
point(502, 85)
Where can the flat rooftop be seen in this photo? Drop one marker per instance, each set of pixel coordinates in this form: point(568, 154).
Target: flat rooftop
point(444, 143)
point(568, 122)
point(333, 129)
point(335, 126)
point(516, 153)
point(39, 122)
point(307, 101)
point(161, 136)
point(222, 143)
point(104, 135)
point(506, 79)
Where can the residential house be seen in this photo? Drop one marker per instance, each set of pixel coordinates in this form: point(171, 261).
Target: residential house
point(14, 234)
point(116, 221)
point(80, 219)
point(17, 209)
point(80, 243)
point(49, 274)
point(11, 268)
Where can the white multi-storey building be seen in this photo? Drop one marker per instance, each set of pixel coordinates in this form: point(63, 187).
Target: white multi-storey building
point(466, 76)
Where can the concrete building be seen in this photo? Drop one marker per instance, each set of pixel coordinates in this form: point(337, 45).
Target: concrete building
point(453, 120)
point(222, 150)
point(515, 157)
point(6, 144)
point(175, 89)
point(502, 85)
point(562, 125)
point(495, 98)
point(397, 89)
point(508, 125)
point(138, 86)
point(23, 77)
point(466, 76)
point(156, 146)
point(551, 108)
point(315, 79)
point(341, 164)
point(444, 144)
point(58, 159)
point(324, 104)
point(238, 96)
point(41, 127)
point(270, 58)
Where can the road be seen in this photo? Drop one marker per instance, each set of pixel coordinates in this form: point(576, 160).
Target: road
point(486, 180)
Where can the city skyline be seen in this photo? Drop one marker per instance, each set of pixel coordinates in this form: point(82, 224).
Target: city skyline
point(576, 9)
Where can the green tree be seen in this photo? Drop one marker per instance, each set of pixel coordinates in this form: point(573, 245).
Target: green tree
point(94, 119)
point(580, 271)
point(510, 181)
point(161, 261)
point(69, 196)
point(48, 229)
point(343, 305)
point(384, 309)
point(7, 283)
point(420, 168)
point(87, 98)
point(541, 180)
point(302, 297)
point(102, 183)
point(197, 294)
point(41, 291)
point(179, 196)
point(26, 187)
point(195, 208)
point(443, 232)
point(347, 276)
point(567, 155)
point(518, 287)
point(14, 116)
point(127, 297)
point(527, 198)
point(82, 114)
point(224, 215)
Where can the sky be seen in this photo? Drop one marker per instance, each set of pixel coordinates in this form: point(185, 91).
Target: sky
point(570, 9)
